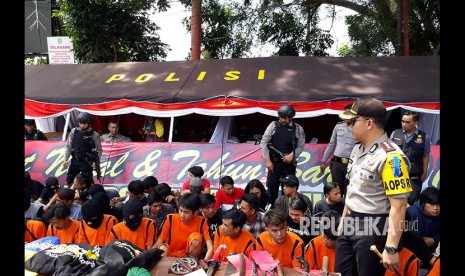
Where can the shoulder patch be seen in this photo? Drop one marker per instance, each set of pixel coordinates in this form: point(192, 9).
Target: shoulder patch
point(395, 175)
point(387, 147)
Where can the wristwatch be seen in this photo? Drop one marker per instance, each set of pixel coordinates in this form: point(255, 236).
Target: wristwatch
point(390, 249)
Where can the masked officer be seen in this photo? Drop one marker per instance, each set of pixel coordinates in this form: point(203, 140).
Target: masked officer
point(281, 144)
point(81, 144)
point(416, 145)
point(376, 197)
point(31, 132)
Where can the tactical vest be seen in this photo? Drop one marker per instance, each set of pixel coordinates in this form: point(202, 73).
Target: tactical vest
point(414, 150)
point(283, 139)
point(82, 143)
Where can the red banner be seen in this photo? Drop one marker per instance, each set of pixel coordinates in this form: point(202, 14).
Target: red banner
point(169, 162)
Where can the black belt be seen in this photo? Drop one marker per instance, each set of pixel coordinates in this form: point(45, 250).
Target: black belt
point(354, 214)
point(342, 160)
point(82, 159)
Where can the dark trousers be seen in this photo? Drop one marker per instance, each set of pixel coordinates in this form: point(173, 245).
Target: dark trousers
point(338, 174)
point(75, 168)
point(413, 240)
point(280, 170)
point(353, 254)
point(416, 186)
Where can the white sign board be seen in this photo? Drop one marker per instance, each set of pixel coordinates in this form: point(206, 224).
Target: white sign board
point(60, 50)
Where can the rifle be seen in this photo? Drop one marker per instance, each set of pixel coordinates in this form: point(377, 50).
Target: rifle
point(96, 160)
point(270, 146)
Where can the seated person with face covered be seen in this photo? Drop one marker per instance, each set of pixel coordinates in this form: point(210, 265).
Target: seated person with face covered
point(95, 225)
point(141, 231)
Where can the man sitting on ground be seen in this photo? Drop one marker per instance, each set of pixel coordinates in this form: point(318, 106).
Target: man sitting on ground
point(283, 245)
point(184, 233)
point(232, 237)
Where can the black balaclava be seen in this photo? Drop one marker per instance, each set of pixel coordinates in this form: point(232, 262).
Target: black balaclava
point(92, 213)
point(132, 214)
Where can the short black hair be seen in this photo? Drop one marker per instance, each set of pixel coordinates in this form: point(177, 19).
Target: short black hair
point(298, 204)
point(414, 114)
point(206, 199)
point(335, 218)
point(226, 180)
point(84, 178)
point(328, 186)
point(59, 210)
point(190, 201)
point(238, 218)
point(252, 200)
point(196, 171)
point(150, 181)
point(163, 189)
point(65, 194)
point(429, 195)
point(136, 187)
point(154, 197)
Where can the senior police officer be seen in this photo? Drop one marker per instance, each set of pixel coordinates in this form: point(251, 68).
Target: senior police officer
point(376, 199)
point(281, 144)
point(81, 143)
point(416, 145)
point(341, 144)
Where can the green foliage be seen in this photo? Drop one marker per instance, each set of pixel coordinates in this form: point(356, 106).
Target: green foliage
point(346, 51)
point(35, 61)
point(112, 30)
point(373, 30)
point(226, 29)
point(121, 30)
point(368, 37)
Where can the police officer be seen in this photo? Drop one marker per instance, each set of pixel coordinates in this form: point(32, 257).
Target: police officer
point(341, 144)
point(376, 198)
point(416, 145)
point(31, 132)
point(281, 144)
point(82, 141)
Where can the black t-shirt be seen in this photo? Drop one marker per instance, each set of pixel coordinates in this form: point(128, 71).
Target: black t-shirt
point(323, 206)
point(214, 222)
point(303, 233)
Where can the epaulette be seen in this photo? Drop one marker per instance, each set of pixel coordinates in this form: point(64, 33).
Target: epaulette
point(387, 147)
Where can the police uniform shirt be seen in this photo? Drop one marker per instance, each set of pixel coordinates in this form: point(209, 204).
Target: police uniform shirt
point(376, 173)
point(108, 138)
point(270, 130)
point(408, 138)
point(341, 143)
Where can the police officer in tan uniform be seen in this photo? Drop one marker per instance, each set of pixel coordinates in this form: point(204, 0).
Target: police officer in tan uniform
point(376, 199)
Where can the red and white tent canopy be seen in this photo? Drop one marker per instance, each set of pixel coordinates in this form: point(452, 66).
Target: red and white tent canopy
point(315, 86)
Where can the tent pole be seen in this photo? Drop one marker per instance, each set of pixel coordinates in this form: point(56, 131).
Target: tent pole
point(65, 131)
point(170, 136)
